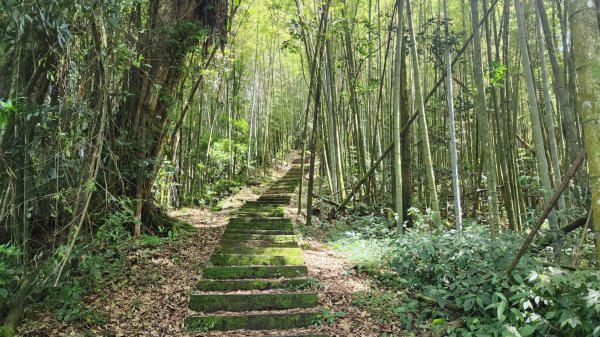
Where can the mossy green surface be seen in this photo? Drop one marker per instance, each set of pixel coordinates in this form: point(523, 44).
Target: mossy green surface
point(255, 260)
point(261, 207)
point(261, 226)
point(259, 231)
point(251, 322)
point(264, 284)
point(249, 302)
point(249, 272)
point(274, 251)
point(250, 219)
point(258, 237)
point(259, 214)
point(257, 243)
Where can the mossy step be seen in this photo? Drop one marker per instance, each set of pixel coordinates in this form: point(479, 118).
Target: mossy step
point(256, 208)
point(277, 202)
point(253, 272)
point(261, 211)
point(261, 226)
point(251, 322)
point(257, 243)
point(260, 214)
point(258, 237)
point(274, 251)
point(260, 284)
point(245, 231)
point(261, 206)
point(249, 302)
point(255, 260)
point(248, 219)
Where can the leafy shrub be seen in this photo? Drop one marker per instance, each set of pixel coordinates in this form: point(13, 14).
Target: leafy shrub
point(113, 229)
point(468, 272)
point(68, 301)
point(8, 271)
point(221, 189)
point(327, 316)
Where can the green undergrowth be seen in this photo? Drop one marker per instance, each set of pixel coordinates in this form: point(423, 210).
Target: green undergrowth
point(434, 280)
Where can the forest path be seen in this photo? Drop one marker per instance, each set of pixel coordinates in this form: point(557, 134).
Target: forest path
point(257, 279)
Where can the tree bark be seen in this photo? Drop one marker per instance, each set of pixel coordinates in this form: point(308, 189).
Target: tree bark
point(586, 46)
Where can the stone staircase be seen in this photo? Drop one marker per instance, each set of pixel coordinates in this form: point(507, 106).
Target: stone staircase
point(256, 279)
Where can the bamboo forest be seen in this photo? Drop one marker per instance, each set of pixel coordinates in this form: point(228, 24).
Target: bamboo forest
point(300, 168)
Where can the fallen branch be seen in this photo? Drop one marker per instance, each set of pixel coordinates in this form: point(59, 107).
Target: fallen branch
point(577, 223)
point(551, 203)
point(327, 201)
point(454, 324)
point(433, 301)
point(525, 144)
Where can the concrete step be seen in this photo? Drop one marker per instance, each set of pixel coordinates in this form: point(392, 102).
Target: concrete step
point(267, 321)
point(259, 237)
point(253, 272)
point(255, 260)
point(261, 226)
point(250, 302)
point(258, 243)
point(258, 231)
point(274, 251)
point(259, 284)
point(252, 219)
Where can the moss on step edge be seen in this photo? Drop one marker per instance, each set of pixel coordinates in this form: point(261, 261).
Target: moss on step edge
point(257, 243)
point(258, 231)
point(249, 272)
point(274, 238)
point(251, 322)
point(260, 220)
point(277, 251)
point(265, 284)
point(255, 260)
point(249, 302)
point(261, 226)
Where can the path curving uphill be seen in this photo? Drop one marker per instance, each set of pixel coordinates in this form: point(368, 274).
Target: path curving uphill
point(256, 279)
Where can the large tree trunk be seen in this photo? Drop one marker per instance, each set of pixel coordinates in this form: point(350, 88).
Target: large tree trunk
point(586, 44)
point(172, 29)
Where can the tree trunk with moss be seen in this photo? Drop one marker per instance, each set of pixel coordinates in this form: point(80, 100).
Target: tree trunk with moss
point(171, 31)
point(586, 45)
